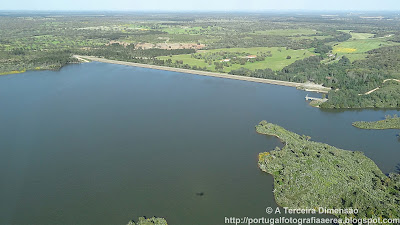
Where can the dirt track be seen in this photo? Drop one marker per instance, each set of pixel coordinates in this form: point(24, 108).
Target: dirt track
point(373, 90)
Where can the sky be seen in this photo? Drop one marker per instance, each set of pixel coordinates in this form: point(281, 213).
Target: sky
point(202, 5)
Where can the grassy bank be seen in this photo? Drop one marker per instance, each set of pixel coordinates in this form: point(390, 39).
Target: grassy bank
point(13, 72)
point(309, 174)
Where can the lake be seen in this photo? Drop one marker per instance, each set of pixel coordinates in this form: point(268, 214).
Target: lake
point(98, 143)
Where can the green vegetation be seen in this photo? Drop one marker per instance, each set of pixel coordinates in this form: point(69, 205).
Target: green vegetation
point(350, 54)
point(388, 123)
point(309, 174)
point(349, 81)
point(274, 58)
point(26, 41)
point(20, 62)
point(360, 43)
point(317, 103)
point(289, 32)
point(361, 35)
point(362, 76)
point(149, 221)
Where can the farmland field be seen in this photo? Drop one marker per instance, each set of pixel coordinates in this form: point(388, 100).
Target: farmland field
point(360, 43)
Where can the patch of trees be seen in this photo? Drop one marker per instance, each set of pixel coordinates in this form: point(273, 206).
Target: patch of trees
point(27, 60)
point(322, 49)
point(105, 35)
point(390, 122)
point(117, 51)
point(395, 38)
point(229, 58)
point(250, 40)
point(348, 80)
point(386, 97)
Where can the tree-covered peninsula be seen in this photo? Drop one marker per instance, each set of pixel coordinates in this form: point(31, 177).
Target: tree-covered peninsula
point(388, 123)
point(310, 174)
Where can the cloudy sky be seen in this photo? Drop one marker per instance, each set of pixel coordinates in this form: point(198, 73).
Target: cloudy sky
point(201, 5)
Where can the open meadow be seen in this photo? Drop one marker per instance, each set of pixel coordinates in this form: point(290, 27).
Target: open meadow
point(277, 61)
point(356, 48)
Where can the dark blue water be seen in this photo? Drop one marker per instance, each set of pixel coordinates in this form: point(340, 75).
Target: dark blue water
point(102, 144)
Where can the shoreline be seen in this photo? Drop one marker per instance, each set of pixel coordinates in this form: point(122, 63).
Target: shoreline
point(304, 86)
point(282, 162)
point(13, 72)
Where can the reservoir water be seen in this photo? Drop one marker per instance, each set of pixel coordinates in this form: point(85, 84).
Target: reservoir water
point(99, 143)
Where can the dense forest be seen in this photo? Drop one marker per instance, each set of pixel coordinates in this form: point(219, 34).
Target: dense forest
point(347, 80)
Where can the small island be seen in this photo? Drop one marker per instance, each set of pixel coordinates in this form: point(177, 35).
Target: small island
point(149, 221)
point(310, 174)
point(390, 122)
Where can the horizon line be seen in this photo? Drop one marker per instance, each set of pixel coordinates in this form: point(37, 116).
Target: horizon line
point(201, 11)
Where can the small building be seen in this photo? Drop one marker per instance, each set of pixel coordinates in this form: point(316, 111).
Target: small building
point(225, 60)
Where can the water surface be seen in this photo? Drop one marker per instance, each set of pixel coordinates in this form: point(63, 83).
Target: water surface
point(101, 144)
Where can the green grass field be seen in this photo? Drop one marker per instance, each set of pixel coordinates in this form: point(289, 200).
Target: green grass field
point(357, 46)
point(319, 37)
point(276, 62)
point(360, 43)
point(361, 35)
